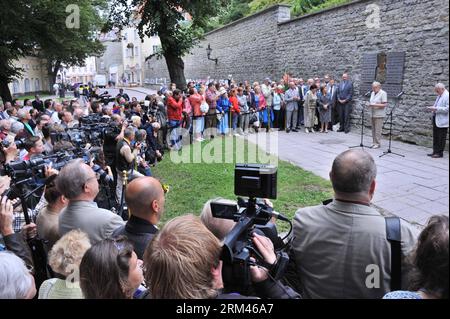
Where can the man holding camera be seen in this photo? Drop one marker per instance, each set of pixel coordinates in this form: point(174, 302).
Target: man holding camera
point(126, 159)
point(198, 272)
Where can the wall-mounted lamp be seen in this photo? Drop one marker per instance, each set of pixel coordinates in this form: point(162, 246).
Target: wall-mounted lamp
point(208, 53)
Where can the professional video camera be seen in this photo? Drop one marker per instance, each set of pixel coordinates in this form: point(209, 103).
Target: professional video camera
point(106, 98)
point(253, 181)
point(21, 170)
point(19, 143)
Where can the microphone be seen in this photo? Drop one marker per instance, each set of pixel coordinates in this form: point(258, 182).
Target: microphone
point(400, 95)
point(368, 94)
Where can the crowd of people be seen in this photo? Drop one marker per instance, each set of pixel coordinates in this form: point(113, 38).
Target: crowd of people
point(93, 251)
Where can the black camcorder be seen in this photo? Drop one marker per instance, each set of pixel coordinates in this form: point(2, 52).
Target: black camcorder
point(20, 144)
point(251, 216)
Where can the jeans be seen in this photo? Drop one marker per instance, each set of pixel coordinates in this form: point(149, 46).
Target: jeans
point(174, 127)
point(223, 124)
point(235, 121)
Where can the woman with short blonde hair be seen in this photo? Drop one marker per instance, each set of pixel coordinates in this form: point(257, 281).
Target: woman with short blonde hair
point(65, 258)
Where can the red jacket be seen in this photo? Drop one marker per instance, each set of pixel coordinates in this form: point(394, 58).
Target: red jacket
point(234, 105)
point(196, 100)
point(174, 109)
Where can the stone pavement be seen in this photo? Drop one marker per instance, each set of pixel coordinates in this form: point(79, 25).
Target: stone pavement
point(413, 188)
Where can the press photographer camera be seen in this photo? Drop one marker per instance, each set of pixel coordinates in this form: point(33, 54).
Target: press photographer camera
point(252, 216)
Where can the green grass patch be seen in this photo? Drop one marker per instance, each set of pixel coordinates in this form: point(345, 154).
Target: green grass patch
point(193, 184)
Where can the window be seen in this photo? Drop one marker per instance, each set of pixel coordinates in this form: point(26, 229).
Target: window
point(136, 51)
point(16, 87)
point(27, 86)
point(37, 85)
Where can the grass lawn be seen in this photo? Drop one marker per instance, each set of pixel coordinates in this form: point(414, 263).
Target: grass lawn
point(192, 184)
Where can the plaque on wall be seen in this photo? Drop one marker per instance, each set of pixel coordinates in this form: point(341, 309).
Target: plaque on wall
point(388, 69)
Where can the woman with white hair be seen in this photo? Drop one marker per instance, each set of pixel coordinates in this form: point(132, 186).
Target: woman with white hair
point(440, 120)
point(16, 282)
point(378, 103)
point(65, 258)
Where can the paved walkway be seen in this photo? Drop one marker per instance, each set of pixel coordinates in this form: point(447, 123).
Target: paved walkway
point(413, 188)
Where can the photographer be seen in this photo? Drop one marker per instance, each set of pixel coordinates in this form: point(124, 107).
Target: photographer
point(197, 273)
point(126, 159)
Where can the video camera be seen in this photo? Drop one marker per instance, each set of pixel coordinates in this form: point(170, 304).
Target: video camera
point(23, 170)
point(19, 143)
point(253, 181)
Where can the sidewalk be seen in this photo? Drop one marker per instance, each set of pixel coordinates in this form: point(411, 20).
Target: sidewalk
point(413, 188)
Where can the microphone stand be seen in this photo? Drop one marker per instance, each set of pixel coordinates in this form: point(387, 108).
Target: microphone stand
point(390, 119)
point(362, 130)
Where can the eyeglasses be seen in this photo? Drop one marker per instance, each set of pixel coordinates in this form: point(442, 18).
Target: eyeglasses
point(165, 188)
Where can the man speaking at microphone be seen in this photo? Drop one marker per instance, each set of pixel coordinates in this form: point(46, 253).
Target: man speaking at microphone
point(378, 103)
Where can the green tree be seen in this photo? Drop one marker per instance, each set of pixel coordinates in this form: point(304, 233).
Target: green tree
point(166, 19)
point(16, 40)
point(38, 28)
point(67, 45)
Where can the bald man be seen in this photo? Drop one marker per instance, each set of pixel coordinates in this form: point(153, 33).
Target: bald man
point(145, 200)
point(335, 243)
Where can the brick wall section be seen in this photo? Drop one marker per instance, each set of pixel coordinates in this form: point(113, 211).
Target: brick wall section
point(332, 41)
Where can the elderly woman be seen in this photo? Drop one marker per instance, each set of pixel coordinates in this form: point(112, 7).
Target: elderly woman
point(309, 108)
point(324, 102)
point(378, 103)
point(16, 282)
point(223, 108)
point(65, 258)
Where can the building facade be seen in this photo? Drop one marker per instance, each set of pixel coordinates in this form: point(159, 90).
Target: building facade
point(34, 78)
point(77, 74)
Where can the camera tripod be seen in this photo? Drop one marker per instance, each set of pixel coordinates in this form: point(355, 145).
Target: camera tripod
point(390, 119)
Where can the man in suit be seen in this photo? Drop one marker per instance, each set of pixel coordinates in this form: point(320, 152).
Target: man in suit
point(38, 104)
point(291, 98)
point(332, 91)
point(145, 200)
point(440, 121)
point(345, 96)
point(78, 183)
point(336, 244)
point(301, 90)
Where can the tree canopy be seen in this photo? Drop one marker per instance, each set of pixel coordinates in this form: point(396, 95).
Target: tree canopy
point(38, 28)
point(167, 19)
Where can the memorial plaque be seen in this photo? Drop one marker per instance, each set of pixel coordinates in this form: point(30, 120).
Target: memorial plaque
point(388, 69)
point(369, 68)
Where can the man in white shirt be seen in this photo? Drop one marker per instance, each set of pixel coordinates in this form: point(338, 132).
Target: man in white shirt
point(440, 120)
point(378, 103)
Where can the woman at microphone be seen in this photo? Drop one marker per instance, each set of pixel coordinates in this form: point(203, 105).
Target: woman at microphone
point(378, 103)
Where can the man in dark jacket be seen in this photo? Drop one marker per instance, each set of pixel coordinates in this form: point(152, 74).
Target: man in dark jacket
point(145, 199)
point(344, 98)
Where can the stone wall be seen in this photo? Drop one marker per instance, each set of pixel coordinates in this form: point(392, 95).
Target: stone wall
point(333, 41)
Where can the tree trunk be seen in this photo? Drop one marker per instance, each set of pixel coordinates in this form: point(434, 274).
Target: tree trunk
point(52, 72)
point(5, 93)
point(176, 70)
